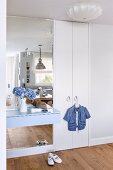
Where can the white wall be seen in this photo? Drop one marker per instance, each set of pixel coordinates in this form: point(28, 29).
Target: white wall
point(101, 55)
point(2, 84)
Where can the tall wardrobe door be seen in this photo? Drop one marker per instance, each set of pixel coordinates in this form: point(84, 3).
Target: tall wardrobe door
point(80, 76)
point(62, 81)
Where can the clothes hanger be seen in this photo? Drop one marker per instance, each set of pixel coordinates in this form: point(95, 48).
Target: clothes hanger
point(76, 102)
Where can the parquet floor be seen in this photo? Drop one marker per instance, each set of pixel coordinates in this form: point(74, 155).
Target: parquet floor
point(89, 158)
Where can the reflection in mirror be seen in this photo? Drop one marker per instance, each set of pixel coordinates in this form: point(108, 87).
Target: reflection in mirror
point(24, 37)
point(29, 136)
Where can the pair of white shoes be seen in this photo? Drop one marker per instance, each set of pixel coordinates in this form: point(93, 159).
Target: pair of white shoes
point(53, 158)
point(41, 142)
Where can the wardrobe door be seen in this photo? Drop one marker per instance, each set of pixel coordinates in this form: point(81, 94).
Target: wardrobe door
point(80, 76)
point(62, 81)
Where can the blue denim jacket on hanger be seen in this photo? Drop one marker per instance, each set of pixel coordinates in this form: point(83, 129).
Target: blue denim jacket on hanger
point(70, 117)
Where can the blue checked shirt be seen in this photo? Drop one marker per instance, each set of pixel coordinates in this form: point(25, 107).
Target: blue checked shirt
point(71, 117)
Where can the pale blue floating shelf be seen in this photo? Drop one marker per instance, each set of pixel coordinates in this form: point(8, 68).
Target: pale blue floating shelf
point(16, 119)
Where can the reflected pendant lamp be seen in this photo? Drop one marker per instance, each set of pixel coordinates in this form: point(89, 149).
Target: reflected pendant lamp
point(40, 64)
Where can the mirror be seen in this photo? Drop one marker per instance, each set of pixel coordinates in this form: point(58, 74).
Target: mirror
point(26, 137)
point(28, 40)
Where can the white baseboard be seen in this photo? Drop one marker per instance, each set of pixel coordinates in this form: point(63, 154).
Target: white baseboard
point(12, 153)
point(99, 141)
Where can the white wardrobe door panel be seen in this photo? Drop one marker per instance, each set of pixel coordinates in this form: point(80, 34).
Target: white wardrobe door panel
point(80, 75)
point(101, 52)
point(80, 138)
point(62, 81)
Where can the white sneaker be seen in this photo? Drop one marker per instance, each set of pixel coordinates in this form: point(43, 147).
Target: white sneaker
point(50, 161)
point(55, 158)
point(41, 142)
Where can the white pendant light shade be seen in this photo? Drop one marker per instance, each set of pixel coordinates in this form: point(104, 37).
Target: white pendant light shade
point(84, 11)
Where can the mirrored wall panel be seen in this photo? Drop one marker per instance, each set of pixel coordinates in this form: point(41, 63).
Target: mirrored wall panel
point(33, 136)
point(29, 76)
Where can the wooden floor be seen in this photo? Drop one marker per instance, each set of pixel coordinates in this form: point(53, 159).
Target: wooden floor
point(90, 158)
point(27, 136)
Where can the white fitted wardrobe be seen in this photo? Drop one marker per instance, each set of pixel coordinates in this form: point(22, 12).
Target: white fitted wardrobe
point(71, 78)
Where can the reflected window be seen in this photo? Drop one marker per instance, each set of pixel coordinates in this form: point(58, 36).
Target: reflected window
point(44, 76)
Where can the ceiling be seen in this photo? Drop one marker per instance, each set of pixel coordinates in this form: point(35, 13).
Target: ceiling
point(31, 28)
point(55, 9)
point(25, 32)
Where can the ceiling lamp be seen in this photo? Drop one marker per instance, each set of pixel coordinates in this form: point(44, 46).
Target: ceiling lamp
point(40, 65)
point(27, 53)
point(84, 11)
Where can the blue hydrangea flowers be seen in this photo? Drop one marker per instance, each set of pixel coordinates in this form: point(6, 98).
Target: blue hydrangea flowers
point(19, 92)
point(30, 94)
point(24, 92)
